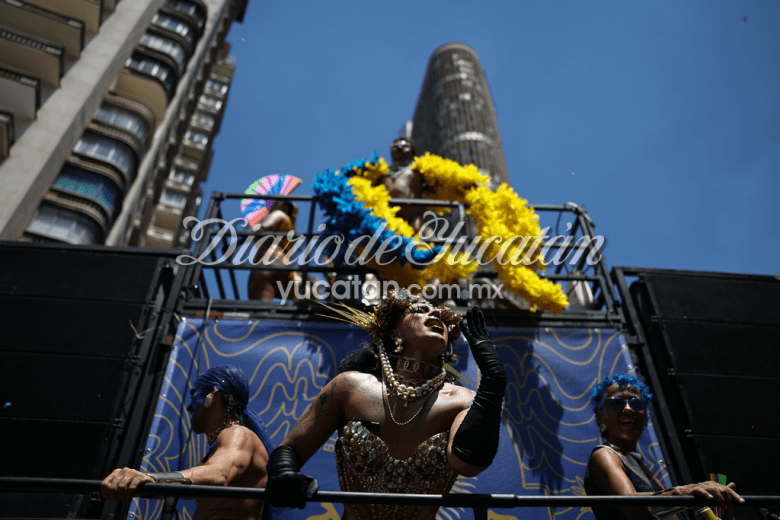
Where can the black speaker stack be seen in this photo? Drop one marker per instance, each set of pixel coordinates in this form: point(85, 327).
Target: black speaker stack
point(75, 357)
point(715, 345)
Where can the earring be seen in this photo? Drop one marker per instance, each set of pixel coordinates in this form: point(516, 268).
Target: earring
point(209, 399)
point(399, 345)
point(603, 428)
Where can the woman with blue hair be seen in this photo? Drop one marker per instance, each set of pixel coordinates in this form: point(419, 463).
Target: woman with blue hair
point(615, 468)
point(238, 455)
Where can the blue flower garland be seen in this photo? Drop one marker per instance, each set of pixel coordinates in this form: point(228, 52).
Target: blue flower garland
point(348, 217)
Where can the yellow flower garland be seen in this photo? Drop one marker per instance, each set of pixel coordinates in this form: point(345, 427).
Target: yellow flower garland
point(499, 213)
point(447, 268)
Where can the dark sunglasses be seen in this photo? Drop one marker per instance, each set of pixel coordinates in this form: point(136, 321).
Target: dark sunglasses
point(618, 403)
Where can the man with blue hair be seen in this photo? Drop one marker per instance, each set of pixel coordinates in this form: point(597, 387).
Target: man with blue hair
point(237, 457)
point(615, 468)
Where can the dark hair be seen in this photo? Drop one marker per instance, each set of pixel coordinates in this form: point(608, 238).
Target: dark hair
point(600, 390)
point(408, 140)
point(362, 359)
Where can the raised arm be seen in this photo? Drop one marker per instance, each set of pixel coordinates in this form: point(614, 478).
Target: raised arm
point(475, 432)
point(276, 220)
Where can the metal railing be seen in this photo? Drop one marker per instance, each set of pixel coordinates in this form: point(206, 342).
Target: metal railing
point(214, 277)
point(478, 503)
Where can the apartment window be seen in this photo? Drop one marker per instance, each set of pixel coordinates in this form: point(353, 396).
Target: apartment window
point(109, 150)
point(65, 225)
point(182, 176)
point(172, 24)
point(197, 137)
point(174, 199)
point(189, 8)
point(124, 119)
point(211, 102)
point(89, 184)
point(216, 87)
point(166, 46)
point(203, 119)
point(140, 63)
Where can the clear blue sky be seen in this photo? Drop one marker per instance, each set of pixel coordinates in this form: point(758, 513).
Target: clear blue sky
point(663, 118)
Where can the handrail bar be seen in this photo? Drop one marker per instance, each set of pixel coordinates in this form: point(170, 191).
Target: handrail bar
point(448, 500)
point(221, 195)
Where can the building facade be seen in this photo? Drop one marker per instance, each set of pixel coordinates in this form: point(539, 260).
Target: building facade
point(107, 114)
point(455, 117)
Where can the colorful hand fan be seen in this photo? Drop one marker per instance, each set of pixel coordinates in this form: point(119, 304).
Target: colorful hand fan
point(254, 210)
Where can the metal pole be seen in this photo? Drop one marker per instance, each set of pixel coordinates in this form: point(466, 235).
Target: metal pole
point(169, 508)
point(465, 500)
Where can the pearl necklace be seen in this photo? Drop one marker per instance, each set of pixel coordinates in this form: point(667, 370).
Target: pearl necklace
point(390, 409)
point(407, 392)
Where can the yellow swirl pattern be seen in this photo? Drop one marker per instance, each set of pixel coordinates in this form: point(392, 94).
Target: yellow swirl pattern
point(547, 433)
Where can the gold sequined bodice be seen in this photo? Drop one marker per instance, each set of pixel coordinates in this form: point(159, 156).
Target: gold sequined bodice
point(365, 464)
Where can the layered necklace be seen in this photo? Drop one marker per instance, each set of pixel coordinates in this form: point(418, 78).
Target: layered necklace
point(403, 388)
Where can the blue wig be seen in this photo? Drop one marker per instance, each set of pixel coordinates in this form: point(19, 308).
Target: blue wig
point(600, 390)
point(230, 379)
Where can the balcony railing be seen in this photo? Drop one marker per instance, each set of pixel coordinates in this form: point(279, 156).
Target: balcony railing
point(572, 248)
point(478, 503)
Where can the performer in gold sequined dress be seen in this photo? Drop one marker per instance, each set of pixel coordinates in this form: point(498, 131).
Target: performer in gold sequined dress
point(402, 427)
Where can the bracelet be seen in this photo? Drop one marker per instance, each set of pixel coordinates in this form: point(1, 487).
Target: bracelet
point(174, 477)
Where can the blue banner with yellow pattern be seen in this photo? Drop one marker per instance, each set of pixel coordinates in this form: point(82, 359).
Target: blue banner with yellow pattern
point(548, 428)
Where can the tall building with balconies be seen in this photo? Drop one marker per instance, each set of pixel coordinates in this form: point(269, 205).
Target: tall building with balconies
point(455, 117)
point(107, 114)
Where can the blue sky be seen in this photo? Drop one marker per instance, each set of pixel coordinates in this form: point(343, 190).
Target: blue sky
point(662, 118)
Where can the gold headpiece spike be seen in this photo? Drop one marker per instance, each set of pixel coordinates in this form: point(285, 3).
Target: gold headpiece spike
point(374, 322)
point(357, 317)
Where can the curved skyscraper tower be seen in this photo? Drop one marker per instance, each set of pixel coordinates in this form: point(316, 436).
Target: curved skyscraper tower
point(455, 117)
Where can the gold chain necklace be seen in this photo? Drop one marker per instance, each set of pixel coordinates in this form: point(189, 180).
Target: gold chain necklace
point(212, 437)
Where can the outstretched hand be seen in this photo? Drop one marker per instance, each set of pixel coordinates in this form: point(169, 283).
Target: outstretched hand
point(725, 496)
point(123, 483)
point(482, 348)
point(474, 328)
point(476, 440)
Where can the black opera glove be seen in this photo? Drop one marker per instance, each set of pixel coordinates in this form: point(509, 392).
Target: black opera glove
point(476, 441)
point(286, 486)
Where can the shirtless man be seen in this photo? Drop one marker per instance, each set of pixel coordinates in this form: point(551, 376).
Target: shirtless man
point(238, 455)
point(403, 182)
point(263, 284)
